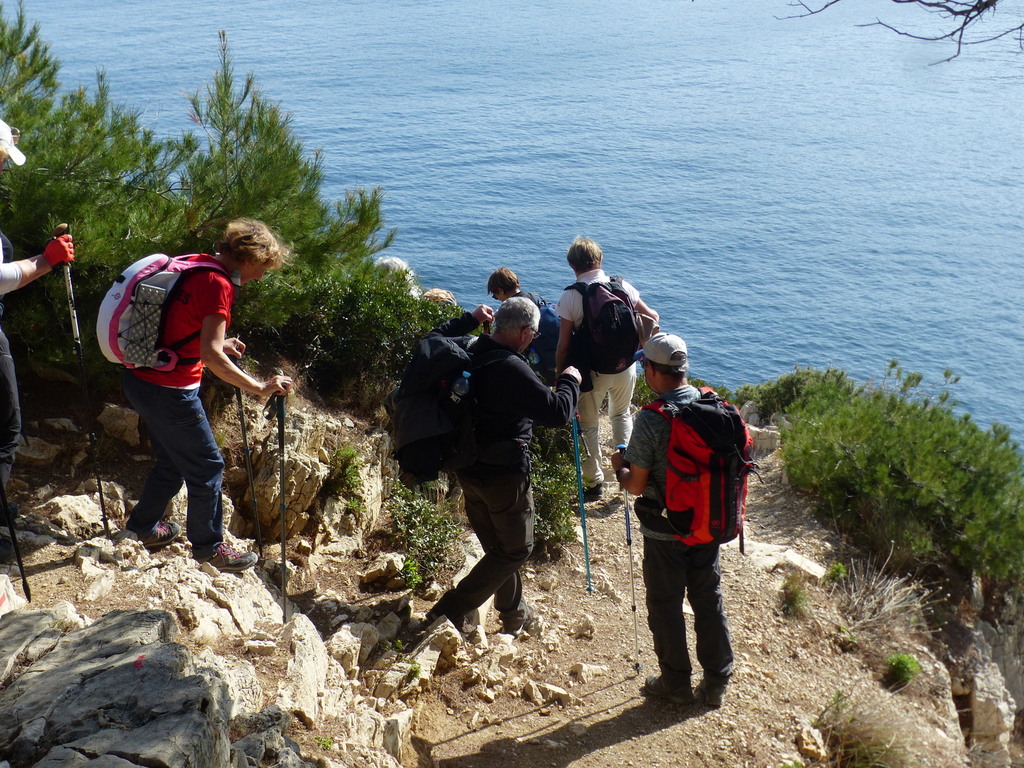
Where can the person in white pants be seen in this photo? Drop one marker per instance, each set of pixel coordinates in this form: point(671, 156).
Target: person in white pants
point(585, 256)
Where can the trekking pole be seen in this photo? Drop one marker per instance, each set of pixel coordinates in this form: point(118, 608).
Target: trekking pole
point(637, 666)
point(9, 517)
point(284, 527)
point(579, 486)
point(59, 230)
point(248, 468)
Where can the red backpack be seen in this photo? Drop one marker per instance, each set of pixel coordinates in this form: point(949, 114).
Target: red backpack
point(709, 459)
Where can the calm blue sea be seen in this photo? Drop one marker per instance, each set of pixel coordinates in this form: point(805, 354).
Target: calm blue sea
point(784, 192)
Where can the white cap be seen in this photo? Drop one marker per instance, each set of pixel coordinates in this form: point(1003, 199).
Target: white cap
point(665, 349)
point(7, 145)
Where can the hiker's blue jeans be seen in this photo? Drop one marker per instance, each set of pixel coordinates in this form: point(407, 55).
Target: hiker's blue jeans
point(500, 510)
point(185, 452)
point(671, 571)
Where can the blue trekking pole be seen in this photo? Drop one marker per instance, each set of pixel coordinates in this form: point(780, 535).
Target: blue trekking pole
point(579, 485)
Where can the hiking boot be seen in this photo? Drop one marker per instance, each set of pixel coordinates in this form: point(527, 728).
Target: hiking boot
point(713, 691)
point(164, 534)
point(226, 558)
point(530, 624)
point(6, 550)
point(594, 492)
point(659, 689)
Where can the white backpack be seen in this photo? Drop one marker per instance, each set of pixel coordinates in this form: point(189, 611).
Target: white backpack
point(131, 316)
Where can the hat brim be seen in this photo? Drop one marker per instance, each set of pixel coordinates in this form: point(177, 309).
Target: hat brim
point(16, 155)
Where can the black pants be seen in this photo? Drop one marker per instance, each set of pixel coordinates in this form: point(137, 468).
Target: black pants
point(671, 571)
point(10, 410)
point(500, 510)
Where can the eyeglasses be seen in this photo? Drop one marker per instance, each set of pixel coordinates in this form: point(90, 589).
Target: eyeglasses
point(534, 331)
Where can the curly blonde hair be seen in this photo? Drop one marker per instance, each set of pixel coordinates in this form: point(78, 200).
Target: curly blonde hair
point(253, 242)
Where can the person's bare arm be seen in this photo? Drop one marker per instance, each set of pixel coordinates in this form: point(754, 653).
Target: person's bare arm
point(213, 348)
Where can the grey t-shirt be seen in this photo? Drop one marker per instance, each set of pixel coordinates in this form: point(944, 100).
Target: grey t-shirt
point(648, 448)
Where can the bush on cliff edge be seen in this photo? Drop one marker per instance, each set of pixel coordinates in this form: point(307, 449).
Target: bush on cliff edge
point(898, 469)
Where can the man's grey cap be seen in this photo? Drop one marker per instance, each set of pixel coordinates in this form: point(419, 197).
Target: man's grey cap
point(665, 349)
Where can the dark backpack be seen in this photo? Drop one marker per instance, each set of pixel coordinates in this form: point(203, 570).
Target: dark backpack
point(709, 460)
point(541, 354)
point(609, 328)
point(432, 409)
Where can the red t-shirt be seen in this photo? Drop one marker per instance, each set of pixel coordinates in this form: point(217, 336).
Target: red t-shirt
point(202, 293)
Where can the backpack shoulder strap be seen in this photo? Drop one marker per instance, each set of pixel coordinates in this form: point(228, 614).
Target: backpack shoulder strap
point(581, 287)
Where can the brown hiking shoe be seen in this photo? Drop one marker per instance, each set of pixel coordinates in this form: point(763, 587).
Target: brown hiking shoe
point(228, 559)
point(164, 534)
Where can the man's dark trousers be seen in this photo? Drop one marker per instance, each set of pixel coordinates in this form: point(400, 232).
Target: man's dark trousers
point(500, 511)
point(672, 570)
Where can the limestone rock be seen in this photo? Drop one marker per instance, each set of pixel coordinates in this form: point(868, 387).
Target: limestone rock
point(307, 670)
point(78, 515)
point(37, 452)
point(383, 568)
point(120, 423)
point(992, 711)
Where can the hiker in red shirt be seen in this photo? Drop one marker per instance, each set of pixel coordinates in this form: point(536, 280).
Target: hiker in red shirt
point(168, 401)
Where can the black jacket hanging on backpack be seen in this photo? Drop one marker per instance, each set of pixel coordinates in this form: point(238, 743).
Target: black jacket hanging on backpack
point(433, 419)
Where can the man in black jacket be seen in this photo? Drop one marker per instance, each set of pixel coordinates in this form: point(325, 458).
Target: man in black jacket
point(497, 488)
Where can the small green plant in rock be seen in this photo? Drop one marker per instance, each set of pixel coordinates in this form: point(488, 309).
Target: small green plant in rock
point(792, 764)
point(901, 669)
point(415, 670)
point(427, 531)
point(343, 477)
point(324, 742)
point(859, 738)
point(411, 574)
point(835, 572)
point(796, 599)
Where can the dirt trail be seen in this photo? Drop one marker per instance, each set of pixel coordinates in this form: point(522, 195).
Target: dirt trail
point(787, 670)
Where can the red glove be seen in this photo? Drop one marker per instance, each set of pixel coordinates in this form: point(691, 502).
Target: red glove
point(59, 250)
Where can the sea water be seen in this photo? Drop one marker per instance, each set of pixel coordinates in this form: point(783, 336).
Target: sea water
point(783, 191)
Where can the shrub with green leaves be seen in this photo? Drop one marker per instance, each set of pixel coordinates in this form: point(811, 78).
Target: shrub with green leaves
point(555, 492)
point(789, 389)
point(355, 336)
point(426, 531)
point(901, 472)
point(901, 669)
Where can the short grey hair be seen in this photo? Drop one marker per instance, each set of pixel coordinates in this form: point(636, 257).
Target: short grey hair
point(516, 313)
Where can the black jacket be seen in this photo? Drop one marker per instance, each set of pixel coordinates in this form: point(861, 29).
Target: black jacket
point(509, 399)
